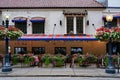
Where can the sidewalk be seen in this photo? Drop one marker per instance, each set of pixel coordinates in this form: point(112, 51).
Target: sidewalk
point(58, 72)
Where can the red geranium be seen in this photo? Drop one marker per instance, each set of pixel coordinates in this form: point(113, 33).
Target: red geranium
point(13, 29)
point(103, 33)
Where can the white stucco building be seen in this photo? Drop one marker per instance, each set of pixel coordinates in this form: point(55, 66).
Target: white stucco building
point(55, 20)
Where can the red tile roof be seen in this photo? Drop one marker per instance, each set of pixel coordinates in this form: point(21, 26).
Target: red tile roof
point(49, 3)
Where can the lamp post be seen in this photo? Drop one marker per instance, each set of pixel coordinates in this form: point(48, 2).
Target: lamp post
point(110, 68)
point(6, 64)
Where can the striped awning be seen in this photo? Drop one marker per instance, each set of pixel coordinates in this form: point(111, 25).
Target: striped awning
point(58, 37)
point(19, 19)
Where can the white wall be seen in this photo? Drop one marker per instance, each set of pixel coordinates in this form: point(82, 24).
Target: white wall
point(53, 17)
point(95, 21)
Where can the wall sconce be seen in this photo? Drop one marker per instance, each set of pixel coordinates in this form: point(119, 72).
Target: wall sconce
point(54, 24)
point(28, 24)
point(60, 22)
point(87, 22)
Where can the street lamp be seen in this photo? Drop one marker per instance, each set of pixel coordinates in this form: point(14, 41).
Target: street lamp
point(6, 64)
point(110, 68)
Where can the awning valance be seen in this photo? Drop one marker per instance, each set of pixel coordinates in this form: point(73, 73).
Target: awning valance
point(37, 19)
point(81, 12)
point(58, 37)
point(19, 19)
point(114, 16)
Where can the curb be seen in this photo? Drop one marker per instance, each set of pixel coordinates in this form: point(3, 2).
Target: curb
point(58, 76)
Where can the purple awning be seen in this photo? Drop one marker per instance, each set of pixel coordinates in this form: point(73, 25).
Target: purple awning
point(19, 19)
point(37, 19)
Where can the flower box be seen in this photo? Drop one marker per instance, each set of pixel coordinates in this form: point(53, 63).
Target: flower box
point(10, 32)
point(105, 34)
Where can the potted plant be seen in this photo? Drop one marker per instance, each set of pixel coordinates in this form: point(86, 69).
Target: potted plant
point(104, 34)
point(58, 60)
point(46, 60)
point(15, 59)
point(10, 32)
point(115, 61)
point(106, 61)
point(28, 59)
point(87, 60)
point(80, 60)
point(83, 62)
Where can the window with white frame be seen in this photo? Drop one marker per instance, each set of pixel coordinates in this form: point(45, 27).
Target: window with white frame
point(74, 24)
point(70, 24)
point(79, 24)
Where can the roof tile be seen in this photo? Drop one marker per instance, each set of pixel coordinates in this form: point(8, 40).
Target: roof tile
point(48, 3)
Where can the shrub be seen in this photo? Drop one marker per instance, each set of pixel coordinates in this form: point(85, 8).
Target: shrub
point(15, 59)
point(58, 60)
point(46, 60)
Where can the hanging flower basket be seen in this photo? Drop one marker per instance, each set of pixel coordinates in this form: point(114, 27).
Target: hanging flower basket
point(104, 34)
point(12, 33)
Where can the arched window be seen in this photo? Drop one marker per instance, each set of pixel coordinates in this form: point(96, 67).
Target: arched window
point(37, 25)
point(21, 23)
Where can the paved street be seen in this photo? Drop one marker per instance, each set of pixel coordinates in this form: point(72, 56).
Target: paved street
point(57, 78)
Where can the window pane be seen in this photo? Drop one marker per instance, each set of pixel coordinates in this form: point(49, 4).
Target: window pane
point(60, 50)
point(38, 50)
point(79, 22)
point(69, 24)
point(76, 50)
point(113, 23)
point(38, 27)
point(20, 50)
point(22, 26)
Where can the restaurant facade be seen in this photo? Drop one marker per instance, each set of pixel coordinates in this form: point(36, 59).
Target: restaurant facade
point(56, 26)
